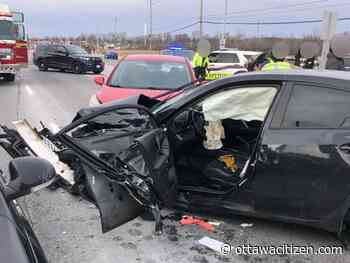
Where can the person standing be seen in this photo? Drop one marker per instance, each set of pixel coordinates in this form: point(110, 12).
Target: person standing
point(200, 65)
point(277, 64)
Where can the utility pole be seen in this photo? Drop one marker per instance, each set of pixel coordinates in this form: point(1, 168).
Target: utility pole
point(223, 39)
point(150, 23)
point(201, 18)
point(115, 27)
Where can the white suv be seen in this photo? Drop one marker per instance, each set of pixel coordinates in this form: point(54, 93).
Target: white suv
point(231, 60)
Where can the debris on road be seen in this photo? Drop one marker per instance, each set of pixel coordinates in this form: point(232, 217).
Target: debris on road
point(246, 225)
point(211, 243)
point(190, 220)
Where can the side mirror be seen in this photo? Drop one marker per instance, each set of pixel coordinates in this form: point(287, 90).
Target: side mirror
point(27, 175)
point(100, 80)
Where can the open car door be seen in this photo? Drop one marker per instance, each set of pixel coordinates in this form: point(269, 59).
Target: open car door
point(123, 162)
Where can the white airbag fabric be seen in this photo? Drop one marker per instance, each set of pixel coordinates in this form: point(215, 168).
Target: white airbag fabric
point(214, 133)
point(240, 104)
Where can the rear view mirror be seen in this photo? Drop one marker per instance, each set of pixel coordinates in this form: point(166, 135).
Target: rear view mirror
point(27, 175)
point(100, 80)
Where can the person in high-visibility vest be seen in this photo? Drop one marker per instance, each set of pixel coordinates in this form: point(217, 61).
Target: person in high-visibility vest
point(277, 64)
point(200, 65)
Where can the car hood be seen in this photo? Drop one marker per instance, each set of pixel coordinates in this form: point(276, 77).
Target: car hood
point(139, 99)
point(108, 94)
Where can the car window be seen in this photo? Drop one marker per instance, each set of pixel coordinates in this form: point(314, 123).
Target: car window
point(20, 32)
point(51, 48)
point(60, 49)
point(7, 30)
point(75, 50)
point(145, 74)
point(223, 58)
point(42, 48)
point(316, 107)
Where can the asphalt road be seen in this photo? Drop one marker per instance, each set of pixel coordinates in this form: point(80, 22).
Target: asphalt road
point(69, 228)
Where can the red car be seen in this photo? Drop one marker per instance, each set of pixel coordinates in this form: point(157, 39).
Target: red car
point(150, 75)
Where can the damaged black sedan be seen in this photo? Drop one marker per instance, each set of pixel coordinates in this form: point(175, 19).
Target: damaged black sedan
point(269, 145)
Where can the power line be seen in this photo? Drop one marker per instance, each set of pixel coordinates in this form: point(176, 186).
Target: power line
point(183, 28)
point(310, 21)
point(266, 9)
point(275, 23)
point(305, 10)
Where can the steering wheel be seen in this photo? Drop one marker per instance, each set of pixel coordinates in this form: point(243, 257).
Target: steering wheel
point(198, 122)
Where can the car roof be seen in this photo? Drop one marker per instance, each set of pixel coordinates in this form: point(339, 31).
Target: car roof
point(153, 57)
point(328, 77)
point(230, 51)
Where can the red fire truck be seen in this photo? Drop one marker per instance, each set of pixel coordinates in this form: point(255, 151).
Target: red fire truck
point(13, 43)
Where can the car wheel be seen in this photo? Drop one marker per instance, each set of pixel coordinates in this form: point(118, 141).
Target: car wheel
point(9, 77)
point(77, 69)
point(42, 66)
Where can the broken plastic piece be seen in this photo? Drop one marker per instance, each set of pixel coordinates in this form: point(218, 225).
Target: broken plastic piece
point(43, 149)
point(214, 223)
point(245, 225)
point(211, 243)
point(190, 220)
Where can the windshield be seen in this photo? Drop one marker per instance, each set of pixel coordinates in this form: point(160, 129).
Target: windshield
point(8, 30)
point(75, 50)
point(150, 75)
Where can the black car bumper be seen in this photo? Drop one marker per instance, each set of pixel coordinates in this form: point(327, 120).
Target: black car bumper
point(94, 65)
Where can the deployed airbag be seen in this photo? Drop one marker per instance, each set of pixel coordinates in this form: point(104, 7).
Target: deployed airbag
point(240, 104)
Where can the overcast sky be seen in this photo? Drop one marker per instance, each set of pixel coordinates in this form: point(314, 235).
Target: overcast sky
point(72, 17)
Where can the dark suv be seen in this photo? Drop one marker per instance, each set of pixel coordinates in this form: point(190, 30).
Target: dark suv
point(66, 58)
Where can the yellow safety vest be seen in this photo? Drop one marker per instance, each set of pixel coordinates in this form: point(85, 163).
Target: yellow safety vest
point(199, 61)
point(277, 66)
point(213, 75)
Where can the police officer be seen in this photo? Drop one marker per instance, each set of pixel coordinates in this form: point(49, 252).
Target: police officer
point(277, 64)
point(277, 61)
point(200, 65)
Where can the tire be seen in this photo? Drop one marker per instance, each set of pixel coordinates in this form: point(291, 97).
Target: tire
point(42, 66)
point(77, 69)
point(10, 77)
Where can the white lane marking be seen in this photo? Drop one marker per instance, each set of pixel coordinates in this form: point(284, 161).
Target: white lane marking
point(29, 90)
point(54, 127)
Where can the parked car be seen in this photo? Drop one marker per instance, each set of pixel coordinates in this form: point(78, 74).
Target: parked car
point(268, 145)
point(111, 54)
point(40, 51)
point(231, 60)
point(67, 58)
point(150, 75)
point(19, 243)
